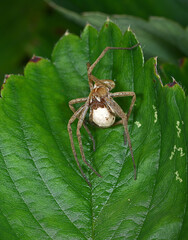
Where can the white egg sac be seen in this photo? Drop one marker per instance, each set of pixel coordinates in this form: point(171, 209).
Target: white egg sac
point(103, 117)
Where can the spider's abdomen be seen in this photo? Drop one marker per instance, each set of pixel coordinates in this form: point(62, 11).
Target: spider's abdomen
point(102, 117)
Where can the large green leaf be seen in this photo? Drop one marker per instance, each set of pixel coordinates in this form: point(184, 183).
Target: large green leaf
point(42, 193)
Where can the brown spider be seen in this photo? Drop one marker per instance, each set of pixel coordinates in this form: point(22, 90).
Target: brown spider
point(103, 110)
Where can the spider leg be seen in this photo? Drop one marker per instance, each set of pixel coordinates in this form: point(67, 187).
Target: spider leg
point(72, 119)
point(79, 100)
point(89, 78)
point(118, 123)
point(117, 109)
point(90, 68)
point(80, 122)
point(126, 94)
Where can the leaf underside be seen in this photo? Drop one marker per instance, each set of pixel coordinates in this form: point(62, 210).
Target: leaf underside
point(42, 193)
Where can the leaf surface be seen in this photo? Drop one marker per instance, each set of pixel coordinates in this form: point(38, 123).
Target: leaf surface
point(42, 193)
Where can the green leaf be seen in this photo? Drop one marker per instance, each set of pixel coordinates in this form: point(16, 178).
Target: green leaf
point(172, 9)
point(159, 36)
point(42, 193)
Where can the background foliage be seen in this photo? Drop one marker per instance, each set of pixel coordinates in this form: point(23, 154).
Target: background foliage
point(33, 27)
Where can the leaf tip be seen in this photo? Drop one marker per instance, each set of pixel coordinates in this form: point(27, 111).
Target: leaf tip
point(107, 22)
point(4, 82)
point(129, 29)
point(35, 59)
point(88, 24)
point(173, 83)
point(87, 27)
point(66, 33)
point(132, 36)
point(108, 19)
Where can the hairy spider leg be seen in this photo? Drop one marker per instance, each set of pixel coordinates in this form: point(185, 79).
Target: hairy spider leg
point(80, 100)
point(126, 94)
point(117, 109)
point(89, 77)
point(80, 114)
point(91, 67)
point(71, 120)
point(80, 122)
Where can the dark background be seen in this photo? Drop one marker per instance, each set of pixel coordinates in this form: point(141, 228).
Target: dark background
point(30, 28)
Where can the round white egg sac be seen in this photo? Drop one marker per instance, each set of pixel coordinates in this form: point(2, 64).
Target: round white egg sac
point(102, 117)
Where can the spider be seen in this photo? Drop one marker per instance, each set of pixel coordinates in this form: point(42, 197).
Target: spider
point(103, 111)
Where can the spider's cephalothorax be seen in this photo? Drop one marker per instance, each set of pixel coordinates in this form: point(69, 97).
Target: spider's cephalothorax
point(103, 110)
